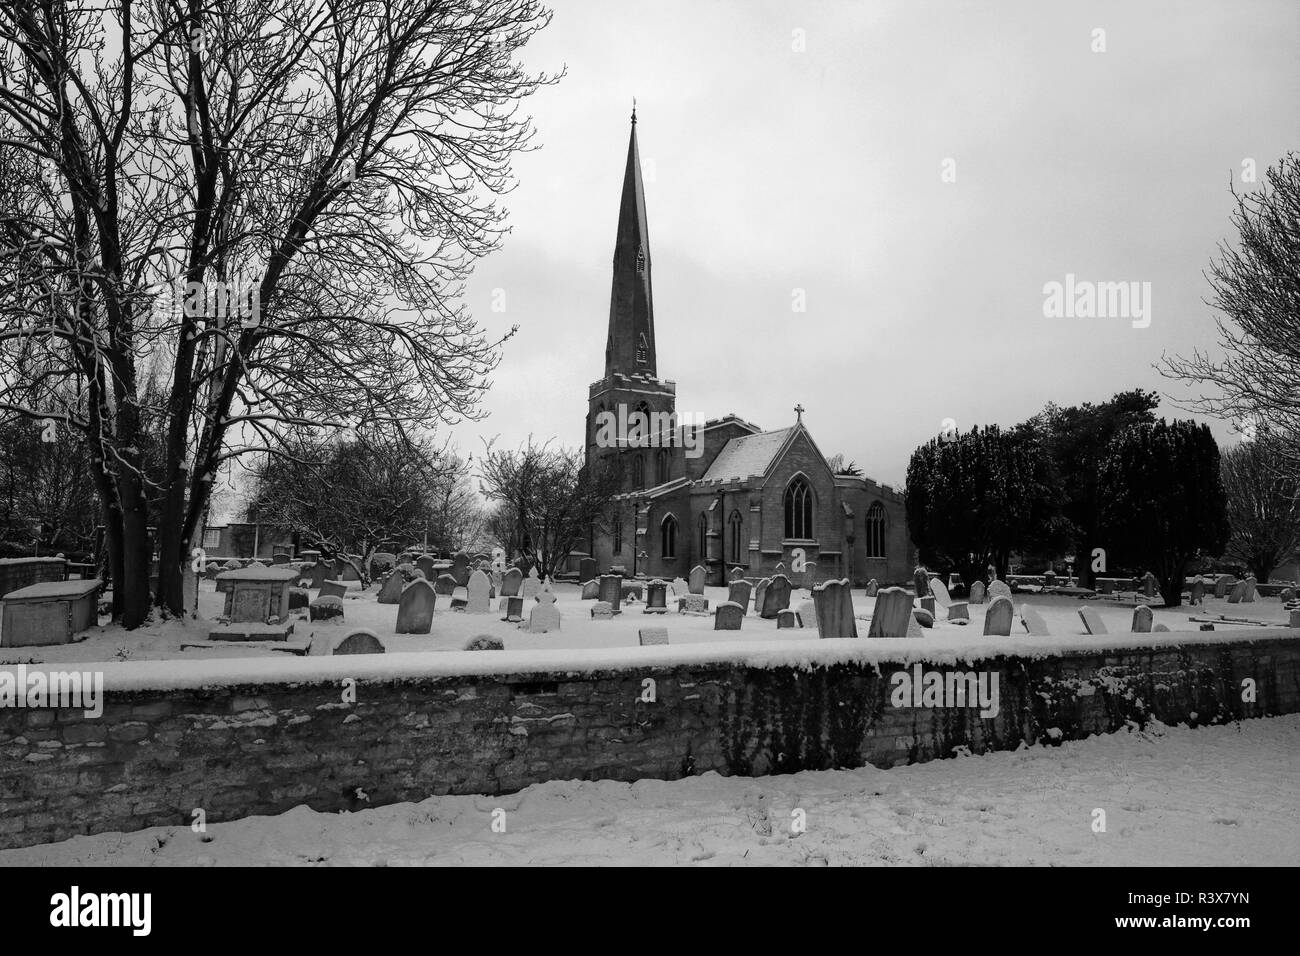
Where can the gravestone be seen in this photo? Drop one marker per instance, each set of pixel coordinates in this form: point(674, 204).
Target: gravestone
point(50, 612)
point(513, 580)
point(1149, 584)
point(360, 642)
point(486, 642)
point(697, 578)
point(1106, 585)
point(1160, 629)
point(478, 594)
point(318, 572)
point(299, 598)
point(512, 608)
point(736, 575)
point(833, 602)
point(1287, 595)
point(923, 617)
point(891, 616)
point(591, 590)
point(958, 611)
point(656, 601)
point(611, 591)
point(1249, 596)
point(759, 591)
point(739, 593)
point(680, 587)
point(602, 610)
point(633, 591)
point(998, 589)
point(415, 609)
point(873, 587)
point(928, 604)
point(256, 596)
point(1221, 585)
point(693, 604)
point(280, 558)
point(532, 584)
point(787, 619)
point(1033, 621)
point(939, 591)
point(648, 636)
point(977, 593)
point(1049, 578)
point(1142, 619)
point(727, 616)
point(460, 568)
point(1197, 592)
point(1238, 592)
point(445, 585)
point(544, 616)
point(921, 581)
point(391, 591)
point(807, 612)
point(776, 597)
point(328, 608)
point(1091, 620)
point(587, 569)
point(997, 620)
point(1294, 618)
point(333, 589)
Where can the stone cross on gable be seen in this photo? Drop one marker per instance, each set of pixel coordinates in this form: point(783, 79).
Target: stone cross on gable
point(799, 410)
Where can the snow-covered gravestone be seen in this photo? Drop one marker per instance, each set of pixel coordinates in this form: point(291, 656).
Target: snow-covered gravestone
point(1149, 584)
point(1091, 620)
point(1237, 593)
point(1142, 619)
point(446, 585)
point(680, 587)
point(736, 575)
point(360, 642)
point(511, 582)
point(977, 593)
point(391, 592)
point(1249, 596)
point(776, 597)
point(834, 609)
point(544, 616)
point(415, 609)
point(698, 577)
point(999, 589)
point(478, 594)
point(939, 591)
point(591, 590)
point(531, 583)
point(892, 614)
point(1033, 621)
point(807, 613)
point(873, 588)
point(727, 616)
point(738, 593)
point(997, 620)
point(648, 636)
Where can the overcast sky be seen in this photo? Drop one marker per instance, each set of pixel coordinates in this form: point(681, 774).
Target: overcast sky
point(771, 169)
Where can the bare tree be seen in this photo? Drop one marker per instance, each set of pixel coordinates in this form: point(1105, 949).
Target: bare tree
point(545, 500)
point(275, 201)
point(1263, 506)
point(1257, 289)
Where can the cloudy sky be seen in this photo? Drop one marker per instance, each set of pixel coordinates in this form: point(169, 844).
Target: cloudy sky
point(803, 146)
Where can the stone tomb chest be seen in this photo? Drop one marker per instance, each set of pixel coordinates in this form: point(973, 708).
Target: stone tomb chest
point(254, 595)
point(48, 613)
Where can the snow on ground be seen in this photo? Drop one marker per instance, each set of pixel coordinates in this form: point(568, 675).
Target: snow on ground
point(451, 629)
point(1227, 795)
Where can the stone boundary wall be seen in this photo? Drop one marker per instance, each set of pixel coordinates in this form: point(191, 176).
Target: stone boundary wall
point(261, 737)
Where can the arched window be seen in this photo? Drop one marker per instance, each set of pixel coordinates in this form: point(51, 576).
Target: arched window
point(661, 466)
point(617, 535)
point(798, 510)
point(638, 471)
point(876, 531)
point(668, 537)
point(734, 528)
point(702, 527)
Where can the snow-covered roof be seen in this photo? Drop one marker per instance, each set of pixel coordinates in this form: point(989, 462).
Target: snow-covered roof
point(747, 456)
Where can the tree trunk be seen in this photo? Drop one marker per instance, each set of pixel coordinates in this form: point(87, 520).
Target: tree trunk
point(1171, 587)
point(170, 596)
point(133, 581)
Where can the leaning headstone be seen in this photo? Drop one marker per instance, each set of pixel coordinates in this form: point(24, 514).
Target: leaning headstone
point(873, 587)
point(759, 591)
point(958, 611)
point(532, 584)
point(921, 581)
point(1249, 596)
point(486, 642)
point(833, 601)
point(997, 620)
point(891, 616)
point(727, 616)
point(415, 609)
point(1238, 593)
point(1142, 619)
point(326, 609)
point(928, 604)
point(360, 642)
point(512, 581)
point(807, 612)
point(977, 593)
point(611, 590)
point(478, 594)
point(333, 589)
point(736, 575)
point(1221, 585)
point(656, 600)
point(1033, 621)
point(1091, 620)
point(652, 635)
point(698, 577)
point(544, 616)
point(776, 597)
point(739, 592)
point(998, 589)
point(787, 619)
point(445, 585)
point(591, 590)
point(391, 591)
point(939, 591)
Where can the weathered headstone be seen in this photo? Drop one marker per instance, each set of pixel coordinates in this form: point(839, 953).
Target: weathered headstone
point(892, 613)
point(512, 609)
point(1106, 585)
point(977, 593)
point(478, 594)
point(318, 572)
point(1091, 620)
point(958, 611)
point(532, 584)
point(391, 591)
point(1238, 593)
point(923, 617)
point(591, 590)
point(587, 569)
point(280, 557)
point(997, 620)
point(698, 577)
point(998, 589)
point(1033, 621)
point(544, 616)
point(362, 641)
point(415, 609)
point(445, 585)
point(680, 587)
point(873, 587)
point(921, 581)
point(648, 636)
point(776, 597)
point(328, 608)
point(611, 591)
point(602, 610)
point(929, 605)
point(1142, 619)
point(1160, 629)
point(693, 604)
point(1149, 584)
point(727, 616)
point(1197, 593)
point(759, 591)
point(460, 568)
point(787, 619)
point(807, 612)
point(656, 601)
point(1249, 596)
point(939, 591)
point(1294, 618)
point(633, 591)
point(512, 581)
point(1286, 595)
point(336, 589)
point(833, 603)
point(299, 598)
point(1221, 585)
point(739, 593)
point(735, 575)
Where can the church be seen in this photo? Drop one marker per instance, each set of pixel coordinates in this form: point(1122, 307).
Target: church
point(722, 493)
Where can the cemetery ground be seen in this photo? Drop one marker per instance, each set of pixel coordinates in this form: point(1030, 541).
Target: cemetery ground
point(1221, 795)
point(451, 629)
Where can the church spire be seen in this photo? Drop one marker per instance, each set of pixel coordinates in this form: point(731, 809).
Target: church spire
point(631, 345)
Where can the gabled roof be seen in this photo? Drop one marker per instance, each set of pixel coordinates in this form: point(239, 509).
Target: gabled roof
point(747, 456)
point(658, 491)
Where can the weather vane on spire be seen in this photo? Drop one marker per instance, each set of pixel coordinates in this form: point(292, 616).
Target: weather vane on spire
point(634, 111)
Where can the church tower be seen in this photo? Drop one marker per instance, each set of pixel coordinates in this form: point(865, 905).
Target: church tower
point(630, 383)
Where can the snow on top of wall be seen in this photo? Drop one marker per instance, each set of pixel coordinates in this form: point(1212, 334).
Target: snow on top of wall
point(795, 653)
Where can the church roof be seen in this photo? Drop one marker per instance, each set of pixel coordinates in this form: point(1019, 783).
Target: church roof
point(748, 456)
